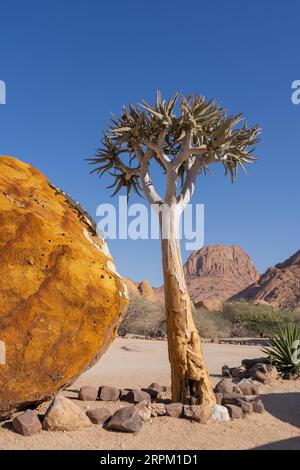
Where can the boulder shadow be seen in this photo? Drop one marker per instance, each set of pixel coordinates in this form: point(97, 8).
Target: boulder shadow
point(287, 444)
point(218, 376)
point(283, 406)
point(8, 425)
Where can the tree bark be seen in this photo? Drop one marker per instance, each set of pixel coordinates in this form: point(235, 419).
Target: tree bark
point(190, 380)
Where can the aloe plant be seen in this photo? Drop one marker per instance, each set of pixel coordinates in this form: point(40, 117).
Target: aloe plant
point(284, 350)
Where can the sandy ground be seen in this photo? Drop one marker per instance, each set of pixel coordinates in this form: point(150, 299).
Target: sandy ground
point(137, 363)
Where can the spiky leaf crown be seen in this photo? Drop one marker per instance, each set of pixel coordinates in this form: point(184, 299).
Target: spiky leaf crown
point(167, 124)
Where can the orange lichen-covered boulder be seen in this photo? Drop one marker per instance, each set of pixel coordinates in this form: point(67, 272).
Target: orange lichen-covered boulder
point(61, 300)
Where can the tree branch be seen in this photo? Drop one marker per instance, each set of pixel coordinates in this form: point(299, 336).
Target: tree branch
point(129, 172)
point(149, 190)
point(158, 148)
point(188, 188)
point(187, 150)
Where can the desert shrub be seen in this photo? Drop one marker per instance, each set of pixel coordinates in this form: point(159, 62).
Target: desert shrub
point(283, 349)
point(147, 317)
point(144, 317)
point(211, 324)
point(240, 318)
point(249, 319)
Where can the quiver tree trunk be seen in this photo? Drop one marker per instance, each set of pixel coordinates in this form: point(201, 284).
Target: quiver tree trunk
point(190, 379)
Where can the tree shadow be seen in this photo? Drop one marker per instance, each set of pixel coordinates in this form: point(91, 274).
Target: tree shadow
point(218, 376)
point(287, 444)
point(245, 341)
point(284, 406)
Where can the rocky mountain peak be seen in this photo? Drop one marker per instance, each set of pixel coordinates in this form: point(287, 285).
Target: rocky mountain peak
point(219, 271)
point(279, 285)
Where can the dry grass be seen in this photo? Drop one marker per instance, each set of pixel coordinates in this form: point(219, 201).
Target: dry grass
point(240, 318)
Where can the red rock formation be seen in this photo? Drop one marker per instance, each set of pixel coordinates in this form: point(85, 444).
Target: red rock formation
point(279, 285)
point(218, 272)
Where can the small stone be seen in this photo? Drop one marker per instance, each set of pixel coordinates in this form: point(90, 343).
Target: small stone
point(153, 393)
point(126, 420)
point(248, 363)
point(64, 415)
point(98, 415)
point(158, 409)
point(219, 414)
point(219, 397)
point(88, 393)
point(258, 406)
point(259, 366)
point(157, 387)
point(248, 388)
point(164, 397)
point(27, 423)
point(174, 410)
point(123, 394)
point(136, 396)
point(250, 398)
point(265, 373)
point(272, 373)
point(231, 399)
point(238, 372)
point(199, 413)
point(224, 386)
point(260, 377)
point(246, 407)
point(107, 393)
point(290, 376)
point(236, 389)
point(235, 412)
point(226, 371)
point(144, 410)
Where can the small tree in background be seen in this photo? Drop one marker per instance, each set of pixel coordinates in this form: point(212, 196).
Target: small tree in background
point(185, 137)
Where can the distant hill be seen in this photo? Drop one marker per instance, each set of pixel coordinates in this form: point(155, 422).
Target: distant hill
point(279, 285)
point(219, 272)
point(216, 272)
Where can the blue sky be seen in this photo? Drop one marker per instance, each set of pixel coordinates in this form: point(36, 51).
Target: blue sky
point(67, 64)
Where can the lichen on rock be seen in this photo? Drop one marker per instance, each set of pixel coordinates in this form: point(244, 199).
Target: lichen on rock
point(60, 303)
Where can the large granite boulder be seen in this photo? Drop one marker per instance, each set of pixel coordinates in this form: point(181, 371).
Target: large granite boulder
point(61, 299)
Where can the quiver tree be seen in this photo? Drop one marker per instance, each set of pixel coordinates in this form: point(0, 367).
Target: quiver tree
point(185, 137)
